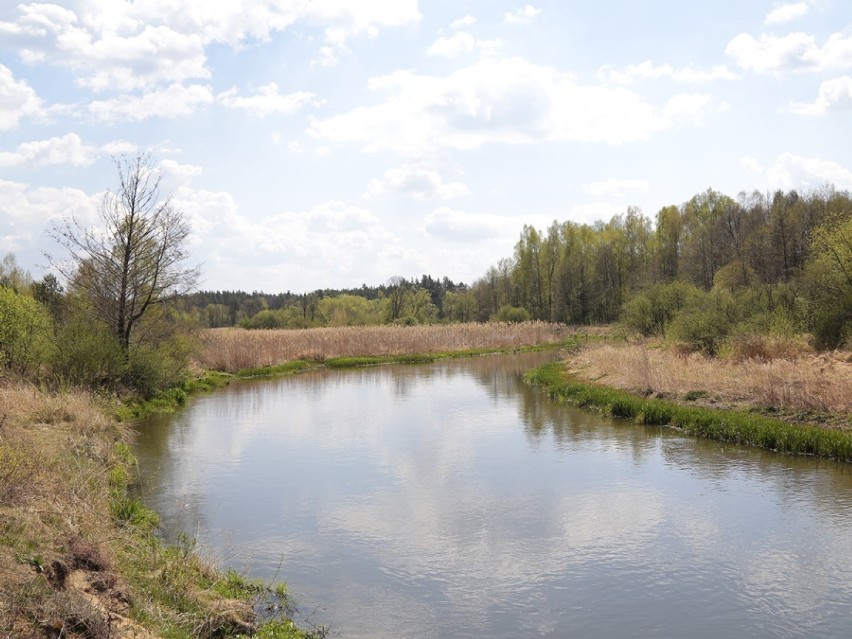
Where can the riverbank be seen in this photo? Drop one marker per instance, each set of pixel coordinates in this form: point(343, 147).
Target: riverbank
point(79, 556)
point(785, 380)
point(722, 424)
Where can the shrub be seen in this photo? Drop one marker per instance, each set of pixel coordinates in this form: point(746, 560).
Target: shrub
point(25, 332)
point(512, 315)
point(86, 354)
point(150, 370)
point(651, 311)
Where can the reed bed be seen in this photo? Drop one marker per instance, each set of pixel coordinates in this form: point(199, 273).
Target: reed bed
point(808, 381)
point(235, 349)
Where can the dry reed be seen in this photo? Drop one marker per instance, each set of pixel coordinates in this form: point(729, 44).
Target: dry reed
point(820, 382)
point(234, 349)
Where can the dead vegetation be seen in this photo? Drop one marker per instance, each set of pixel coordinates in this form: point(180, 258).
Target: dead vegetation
point(72, 565)
point(234, 349)
point(791, 379)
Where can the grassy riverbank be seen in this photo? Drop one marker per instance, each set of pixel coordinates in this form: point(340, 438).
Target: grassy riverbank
point(79, 556)
point(779, 378)
point(726, 425)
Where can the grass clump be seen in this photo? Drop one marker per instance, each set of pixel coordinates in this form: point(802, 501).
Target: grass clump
point(723, 425)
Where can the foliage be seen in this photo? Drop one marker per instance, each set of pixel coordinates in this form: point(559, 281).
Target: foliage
point(649, 312)
point(25, 332)
point(829, 282)
point(511, 314)
point(703, 323)
point(86, 354)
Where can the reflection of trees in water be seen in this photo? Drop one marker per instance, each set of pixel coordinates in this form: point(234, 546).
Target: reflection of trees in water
point(820, 482)
point(572, 428)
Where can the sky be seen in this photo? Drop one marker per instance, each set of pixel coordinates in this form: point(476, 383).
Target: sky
point(332, 143)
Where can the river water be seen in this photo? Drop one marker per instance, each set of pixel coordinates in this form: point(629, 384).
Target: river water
point(453, 500)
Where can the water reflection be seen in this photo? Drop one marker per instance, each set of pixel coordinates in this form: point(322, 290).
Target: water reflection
point(454, 500)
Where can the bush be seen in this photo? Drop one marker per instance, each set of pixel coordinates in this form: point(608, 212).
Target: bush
point(86, 354)
point(25, 333)
point(512, 315)
point(265, 320)
point(833, 326)
point(150, 370)
point(651, 311)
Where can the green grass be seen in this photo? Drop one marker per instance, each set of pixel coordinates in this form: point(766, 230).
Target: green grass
point(723, 425)
point(287, 368)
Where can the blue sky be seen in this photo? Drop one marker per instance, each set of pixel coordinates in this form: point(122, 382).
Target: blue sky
point(330, 143)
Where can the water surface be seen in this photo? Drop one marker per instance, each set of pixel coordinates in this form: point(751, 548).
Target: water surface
point(452, 500)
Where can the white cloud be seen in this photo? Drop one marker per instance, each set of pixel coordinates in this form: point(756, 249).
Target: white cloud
point(692, 107)
point(175, 175)
point(771, 53)
point(613, 187)
point(500, 100)
point(26, 210)
point(330, 244)
point(419, 181)
point(592, 212)
point(454, 45)
point(68, 149)
point(172, 102)
point(787, 13)
point(113, 45)
point(17, 100)
point(466, 21)
point(792, 171)
point(267, 100)
point(447, 224)
point(460, 43)
point(648, 69)
point(527, 13)
point(834, 96)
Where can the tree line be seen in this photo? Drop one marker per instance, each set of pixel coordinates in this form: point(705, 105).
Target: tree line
point(698, 272)
point(399, 300)
point(780, 261)
point(711, 270)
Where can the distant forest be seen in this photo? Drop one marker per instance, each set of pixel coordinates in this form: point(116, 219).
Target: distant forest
point(714, 264)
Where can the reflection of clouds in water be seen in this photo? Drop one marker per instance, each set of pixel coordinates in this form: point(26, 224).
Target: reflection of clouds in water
point(484, 550)
point(799, 592)
point(455, 496)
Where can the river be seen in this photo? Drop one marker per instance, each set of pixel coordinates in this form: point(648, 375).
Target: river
point(453, 500)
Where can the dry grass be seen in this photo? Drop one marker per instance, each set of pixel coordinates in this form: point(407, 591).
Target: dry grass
point(803, 382)
point(234, 349)
point(78, 556)
point(54, 509)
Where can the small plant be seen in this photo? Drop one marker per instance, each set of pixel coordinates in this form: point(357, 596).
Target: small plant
point(131, 510)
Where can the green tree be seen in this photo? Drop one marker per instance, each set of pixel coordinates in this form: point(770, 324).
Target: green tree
point(25, 332)
point(829, 281)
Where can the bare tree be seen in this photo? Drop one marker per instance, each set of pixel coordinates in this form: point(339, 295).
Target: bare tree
point(136, 260)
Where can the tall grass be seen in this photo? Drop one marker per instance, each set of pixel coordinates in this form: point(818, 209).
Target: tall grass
point(723, 425)
point(805, 381)
point(235, 349)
